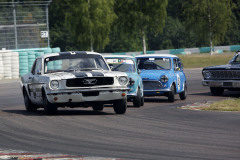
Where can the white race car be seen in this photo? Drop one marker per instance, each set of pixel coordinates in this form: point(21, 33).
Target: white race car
point(74, 79)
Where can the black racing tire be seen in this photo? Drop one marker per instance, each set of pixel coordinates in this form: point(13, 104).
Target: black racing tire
point(216, 91)
point(30, 107)
point(171, 94)
point(142, 101)
point(137, 99)
point(183, 95)
point(120, 106)
point(49, 108)
point(98, 107)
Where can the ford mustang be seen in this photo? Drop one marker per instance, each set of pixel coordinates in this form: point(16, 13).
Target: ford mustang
point(74, 79)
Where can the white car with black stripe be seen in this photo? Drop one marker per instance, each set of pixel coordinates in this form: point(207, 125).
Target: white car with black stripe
point(74, 79)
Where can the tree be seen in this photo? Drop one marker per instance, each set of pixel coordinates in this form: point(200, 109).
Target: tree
point(142, 16)
point(90, 21)
point(209, 19)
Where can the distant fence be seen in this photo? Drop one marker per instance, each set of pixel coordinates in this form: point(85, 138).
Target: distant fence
point(24, 24)
point(216, 49)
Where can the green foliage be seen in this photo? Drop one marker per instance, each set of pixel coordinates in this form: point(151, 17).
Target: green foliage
point(90, 22)
point(208, 16)
point(142, 16)
point(186, 25)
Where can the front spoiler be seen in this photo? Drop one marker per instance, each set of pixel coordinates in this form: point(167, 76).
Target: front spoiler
point(87, 90)
point(222, 83)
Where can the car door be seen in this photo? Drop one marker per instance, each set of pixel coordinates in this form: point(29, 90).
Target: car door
point(37, 87)
point(30, 82)
point(179, 74)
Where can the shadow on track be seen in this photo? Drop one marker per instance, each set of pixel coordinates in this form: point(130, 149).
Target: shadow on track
point(59, 113)
point(230, 94)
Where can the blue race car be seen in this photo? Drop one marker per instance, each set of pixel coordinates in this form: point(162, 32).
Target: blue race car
point(128, 64)
point(162, 75)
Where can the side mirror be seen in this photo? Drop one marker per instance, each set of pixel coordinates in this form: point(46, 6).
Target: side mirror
point(230, 62)
point(177, 69)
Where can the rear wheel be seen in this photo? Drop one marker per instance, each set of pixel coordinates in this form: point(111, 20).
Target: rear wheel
point(98, 107)
point(216, 91)
point(137, 99)
point(49, 108)
point(28, 104)
point(171, 94)
point(120, 106)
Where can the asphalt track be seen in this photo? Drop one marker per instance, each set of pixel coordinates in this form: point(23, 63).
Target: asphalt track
point(156, 131)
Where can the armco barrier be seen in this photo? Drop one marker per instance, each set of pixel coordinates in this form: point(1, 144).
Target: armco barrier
point(205, 49)
point(176, 51)
point(235, 48)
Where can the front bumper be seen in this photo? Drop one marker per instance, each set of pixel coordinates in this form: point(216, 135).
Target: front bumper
point(87, 95)
point(221, 83)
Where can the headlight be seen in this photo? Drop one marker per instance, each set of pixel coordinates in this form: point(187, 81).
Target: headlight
point(206, 74)
point(164, 79)
point(123, 80)
point(54, 84)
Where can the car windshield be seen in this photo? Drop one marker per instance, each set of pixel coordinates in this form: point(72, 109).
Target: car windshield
point(121, 64)
point(154, 63)
point(66, 63)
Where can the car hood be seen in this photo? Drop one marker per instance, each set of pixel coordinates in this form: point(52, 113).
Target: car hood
point(153, 74)
point(224, 67)
point(70, 75)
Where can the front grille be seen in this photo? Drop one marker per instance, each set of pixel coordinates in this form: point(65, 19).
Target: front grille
point(89, 81)
point(152, 85)
point(225, 74)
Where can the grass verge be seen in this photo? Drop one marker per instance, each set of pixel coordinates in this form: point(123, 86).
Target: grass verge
point(205, 60)
point(224, 105)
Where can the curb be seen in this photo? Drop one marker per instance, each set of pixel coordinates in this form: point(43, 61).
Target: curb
point(197, 105)
point(22, 155)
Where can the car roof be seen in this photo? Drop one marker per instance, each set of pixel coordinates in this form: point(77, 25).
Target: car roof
point(156, 55)
point(68, 53)
point(117, 56)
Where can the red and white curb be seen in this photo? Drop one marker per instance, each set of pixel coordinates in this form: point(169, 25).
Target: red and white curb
point(22, 155)
point(197, 105)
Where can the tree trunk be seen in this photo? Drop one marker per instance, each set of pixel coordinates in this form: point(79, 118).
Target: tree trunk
point(91, 39)
point(144, 43)
point(210, 30)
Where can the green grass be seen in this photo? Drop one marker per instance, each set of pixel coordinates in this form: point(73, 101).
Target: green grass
point(224, 105)
point(205, 60)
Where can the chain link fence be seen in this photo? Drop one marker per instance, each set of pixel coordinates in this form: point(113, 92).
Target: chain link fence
point(24, 24)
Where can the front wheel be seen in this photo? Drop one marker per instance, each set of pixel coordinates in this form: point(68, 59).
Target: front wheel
point(49, 108)
point(171, 94)
point(120, 106)
point(142, 101)
point(137, 99)
point(28, 104)
point(216, 91)
point(183, 95)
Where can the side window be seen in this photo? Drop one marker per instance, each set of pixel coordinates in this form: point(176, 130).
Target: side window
point(38, 66)
point(175, 64)
point(180, 65)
